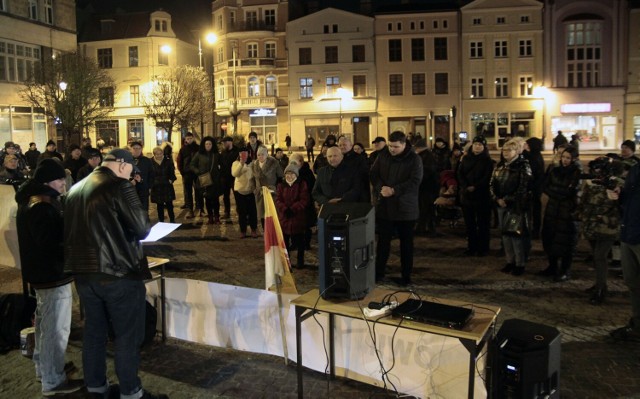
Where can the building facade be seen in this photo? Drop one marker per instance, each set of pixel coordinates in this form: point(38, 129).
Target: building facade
point(30, 31)
point(586, 71)
point(501, 60)
point(332, 77)
point(418, 68)
point(250, 68)
point(136, 48)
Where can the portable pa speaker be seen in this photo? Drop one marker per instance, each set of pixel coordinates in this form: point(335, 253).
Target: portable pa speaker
point(346, 235)
point(526, 361)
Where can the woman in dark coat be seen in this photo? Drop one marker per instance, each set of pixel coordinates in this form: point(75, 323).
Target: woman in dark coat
point(474, 175)
point(162, 192)
point(559, 229)
point(509, 188)
point(533, 153)
point(207, 159)
point(73, 161)
point(307, 175)
point(291, 202)
point(442, 154)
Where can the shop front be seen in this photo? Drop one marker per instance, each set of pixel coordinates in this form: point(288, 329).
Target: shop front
point(264, 121)
point(595, 124)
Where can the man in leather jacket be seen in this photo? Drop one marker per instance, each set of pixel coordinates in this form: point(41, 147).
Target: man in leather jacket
point(104, 223)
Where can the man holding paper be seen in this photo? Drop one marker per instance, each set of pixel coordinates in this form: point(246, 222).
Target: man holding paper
point(104, 223)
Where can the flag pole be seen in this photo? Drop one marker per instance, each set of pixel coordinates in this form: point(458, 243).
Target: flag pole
point(285, 348)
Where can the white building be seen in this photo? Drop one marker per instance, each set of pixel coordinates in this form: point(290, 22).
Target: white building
point(135, 48)
point(332, 76)
point(29, 32)
point(418, 68)
point(251, 85)
point(502, 53)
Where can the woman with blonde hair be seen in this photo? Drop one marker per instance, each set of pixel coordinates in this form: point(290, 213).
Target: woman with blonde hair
point(509, 189)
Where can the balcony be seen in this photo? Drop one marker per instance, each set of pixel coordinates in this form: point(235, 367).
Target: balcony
point(248, 26)
point(222, 106)
point(252, 63)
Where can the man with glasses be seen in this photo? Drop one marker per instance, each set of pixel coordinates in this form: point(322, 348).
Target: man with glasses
point(104, 222)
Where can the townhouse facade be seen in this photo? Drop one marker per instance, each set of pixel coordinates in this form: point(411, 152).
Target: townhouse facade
point(332, 77)
point(250, 68)
point(136, 48)
point(30, 31)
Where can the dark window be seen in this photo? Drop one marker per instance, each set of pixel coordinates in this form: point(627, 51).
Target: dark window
point(418, 86)
point(395, 50)
point(105, 58)
point(270, 18)
point(417, 49)
point(395, 85)
point(358, 53)
point(326, 29)
point(304, 55)
point(359, 86)
point(440, 48)
point(133, 56)
point(331, 54)
point(442, 83)
point(106, 96)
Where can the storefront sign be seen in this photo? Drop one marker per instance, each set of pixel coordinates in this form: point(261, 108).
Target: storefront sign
point(585, 108)
point(263, 112)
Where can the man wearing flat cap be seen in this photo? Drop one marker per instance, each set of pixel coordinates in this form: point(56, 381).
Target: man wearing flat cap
point(104, 223)
point(50, 152)
point(40, 236)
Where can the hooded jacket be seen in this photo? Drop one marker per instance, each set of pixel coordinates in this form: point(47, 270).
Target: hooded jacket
point(40, 235)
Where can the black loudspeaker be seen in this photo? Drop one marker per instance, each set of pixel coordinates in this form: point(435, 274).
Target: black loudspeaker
point(346, 235)
point(525, 361)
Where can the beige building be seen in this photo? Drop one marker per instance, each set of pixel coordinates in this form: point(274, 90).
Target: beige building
point(30, 31)
point(332, 77)
point(134, 48)
point(632, 101)
point(418, 72)
point(250, 68)
point(502, 52)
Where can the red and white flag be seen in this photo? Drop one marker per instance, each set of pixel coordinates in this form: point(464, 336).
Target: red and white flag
point(276, 257)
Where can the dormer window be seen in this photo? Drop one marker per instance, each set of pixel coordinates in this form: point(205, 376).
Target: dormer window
point(106, 25)
point(160, 25)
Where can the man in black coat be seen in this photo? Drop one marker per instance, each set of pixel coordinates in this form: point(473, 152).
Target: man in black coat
point(32, 156)
point(40, 235)
point(228, 156)
point(185, 155)
point(396, 177)
point(358, 164)
point(337, 181)
point(144, 175)
point(50, 152)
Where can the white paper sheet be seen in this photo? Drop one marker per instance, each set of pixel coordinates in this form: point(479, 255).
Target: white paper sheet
point(160, 230)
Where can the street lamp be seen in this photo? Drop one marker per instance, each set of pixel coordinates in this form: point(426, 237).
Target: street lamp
point(212, 39)
point(430, 115)
point(452, 113)
point(542, 92)
point(342, 94)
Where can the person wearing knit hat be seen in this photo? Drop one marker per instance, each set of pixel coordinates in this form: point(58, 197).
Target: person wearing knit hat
point(630, 144)
point(40, 236)
point(50, 152)
point(480, 139)
point(292, 199)
point(627, 154)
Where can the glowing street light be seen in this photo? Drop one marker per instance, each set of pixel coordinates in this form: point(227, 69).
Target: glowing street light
point(165, 49)
point(343, 94)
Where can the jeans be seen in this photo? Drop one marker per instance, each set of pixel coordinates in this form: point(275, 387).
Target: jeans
point(404, 229)
point(188, 188)
point(121, 303)
point(227, 189)
point(630, 259)
point(53, 324)
point(514, 247)
point(310, 156)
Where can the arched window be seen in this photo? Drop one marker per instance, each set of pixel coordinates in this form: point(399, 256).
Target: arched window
point(271, 86)
point(253, 87)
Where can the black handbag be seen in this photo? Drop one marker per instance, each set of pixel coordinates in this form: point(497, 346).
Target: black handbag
point(514, 223)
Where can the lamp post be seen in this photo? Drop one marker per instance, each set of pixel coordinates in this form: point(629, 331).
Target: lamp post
point(212, 39)
point(342, 94)
point(452, 113)
point(542, 92)
point(430, 116)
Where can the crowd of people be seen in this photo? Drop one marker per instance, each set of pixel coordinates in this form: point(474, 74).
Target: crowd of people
point(96, 240)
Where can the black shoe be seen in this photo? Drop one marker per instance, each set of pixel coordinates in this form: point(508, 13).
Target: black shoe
point(591, 289)
point(149, 395)
point(482, 254)
point(113, 392)
point(518, 271)
point(469, 252)
point(68, 386)
point(549, 271)
point(560, 278)
point(508, 268)
point(598, 296)
point(627, 333)
point(402, 281)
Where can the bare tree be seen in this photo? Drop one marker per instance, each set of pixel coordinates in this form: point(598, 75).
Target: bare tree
point(72, 90)
point(181, 97)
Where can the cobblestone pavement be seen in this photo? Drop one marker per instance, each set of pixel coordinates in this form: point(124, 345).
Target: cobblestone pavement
point(591, 366)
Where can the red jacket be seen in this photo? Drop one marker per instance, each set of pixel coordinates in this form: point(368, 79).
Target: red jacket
point(291, 202)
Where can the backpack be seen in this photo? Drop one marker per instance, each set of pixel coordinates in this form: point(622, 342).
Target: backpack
point(16, 312)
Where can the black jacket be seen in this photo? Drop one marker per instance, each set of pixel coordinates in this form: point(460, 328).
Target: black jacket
point(40, 235)
point(104, 222)
point(339, 182)
point(559, 230)
point(403, 173)
point(475, 171)
point(185, 155)
point(510, 182)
